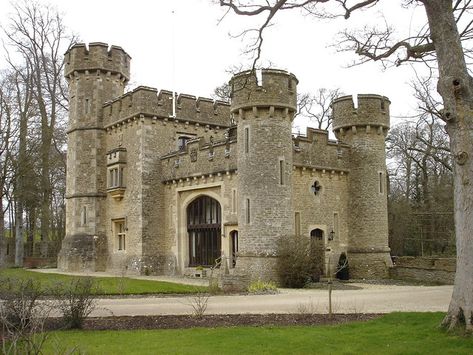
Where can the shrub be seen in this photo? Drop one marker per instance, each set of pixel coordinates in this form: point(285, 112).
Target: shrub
point(76, 300)
point(22, 317)
point(199, 304)
point(261, 287)
point(298, 263)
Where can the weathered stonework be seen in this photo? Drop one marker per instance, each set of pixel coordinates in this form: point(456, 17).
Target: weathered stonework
point(137, 165)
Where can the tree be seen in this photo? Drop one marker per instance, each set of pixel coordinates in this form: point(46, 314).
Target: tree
point(317, 107)
point(38, 36)
point(440, 43)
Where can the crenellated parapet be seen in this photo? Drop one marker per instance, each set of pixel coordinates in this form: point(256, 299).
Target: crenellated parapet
point(316, 149)
point(371, 111)
point(267, 89)
point(150, 102)
point(199, 160)
point(97, 57)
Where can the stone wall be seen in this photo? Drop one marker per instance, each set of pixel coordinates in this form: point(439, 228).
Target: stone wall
point(434, 270)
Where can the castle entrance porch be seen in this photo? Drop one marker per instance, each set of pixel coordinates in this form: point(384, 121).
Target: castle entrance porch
point(204, 231)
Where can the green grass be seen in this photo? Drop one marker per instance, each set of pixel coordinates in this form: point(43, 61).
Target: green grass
point(107, 285)
point(395, 333)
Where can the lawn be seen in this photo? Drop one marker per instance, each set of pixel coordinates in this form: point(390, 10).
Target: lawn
point(107, 285)
point(395, 333)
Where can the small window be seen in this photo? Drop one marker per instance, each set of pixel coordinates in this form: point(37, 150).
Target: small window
point(381, 183)
point(248, 212)
point(281, 172)
point(247, 139)
point(336, 228)
point(87, 106)
point(83, 216)
point(182, 142)
point(297, 223)
point(234, 201)
point(120, 234)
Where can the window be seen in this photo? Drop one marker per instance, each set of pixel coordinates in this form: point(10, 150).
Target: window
point(247, 211)
point(182, 140)
point(87, 106)
point(120, 234)
point(247, 139)
point(115, 176)
point(281, 172)
point(83, 216)
point(297, 223)
point(234, 239)
point(234, 201)
point(381, 183)
point(336, 228)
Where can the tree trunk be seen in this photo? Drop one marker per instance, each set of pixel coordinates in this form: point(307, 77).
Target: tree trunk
point(456, 88)
point(19, 243)
point(3, 244)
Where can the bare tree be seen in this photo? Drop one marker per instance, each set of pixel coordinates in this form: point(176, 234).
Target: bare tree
point(317, 107)
point(37, 34)
point(8, 136)
point(439, 42)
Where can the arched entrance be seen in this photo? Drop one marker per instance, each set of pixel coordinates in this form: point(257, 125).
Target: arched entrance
point(317, 249)
point(204, 230)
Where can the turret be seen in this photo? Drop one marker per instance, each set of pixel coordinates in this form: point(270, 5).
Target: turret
point(95, 75)
point(263, 106)
point(364, 127)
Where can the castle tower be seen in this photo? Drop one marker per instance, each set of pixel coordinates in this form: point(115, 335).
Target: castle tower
point(364, 127)
point(94, 75)
point(263, 106)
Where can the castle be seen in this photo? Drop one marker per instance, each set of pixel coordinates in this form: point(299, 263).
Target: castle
point(168, 185)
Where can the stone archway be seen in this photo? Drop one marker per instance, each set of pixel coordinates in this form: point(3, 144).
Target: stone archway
point(204, 216)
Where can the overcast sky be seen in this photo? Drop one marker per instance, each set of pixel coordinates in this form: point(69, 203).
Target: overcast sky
point(181, 45)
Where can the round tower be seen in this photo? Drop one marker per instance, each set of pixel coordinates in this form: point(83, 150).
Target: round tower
point(95, 75)
point(364, 127)
point(263, 106)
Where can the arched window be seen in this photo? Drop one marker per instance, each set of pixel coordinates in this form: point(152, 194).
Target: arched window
point(234, 239)
point(203, 227)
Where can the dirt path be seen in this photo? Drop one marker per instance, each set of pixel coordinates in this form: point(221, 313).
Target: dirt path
point(367, 299)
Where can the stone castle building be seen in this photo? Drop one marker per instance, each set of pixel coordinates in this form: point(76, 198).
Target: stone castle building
point(168, 185)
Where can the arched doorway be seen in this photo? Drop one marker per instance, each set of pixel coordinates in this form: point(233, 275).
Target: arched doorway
point(234, 241)
point(317, 249)
point(204, 230)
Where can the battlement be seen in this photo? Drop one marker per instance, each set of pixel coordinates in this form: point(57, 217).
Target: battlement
point(371, 110)
point(97, 56)
point(149, 101)
point(200, 158)
point(264, 88)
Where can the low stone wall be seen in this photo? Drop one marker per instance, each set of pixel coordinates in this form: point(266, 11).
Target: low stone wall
point(435, 270)
point(33, 262)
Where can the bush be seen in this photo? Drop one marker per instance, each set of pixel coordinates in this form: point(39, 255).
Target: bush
point(298, 263)
point(22, 317)
point(261, 287)
point(76, 300)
